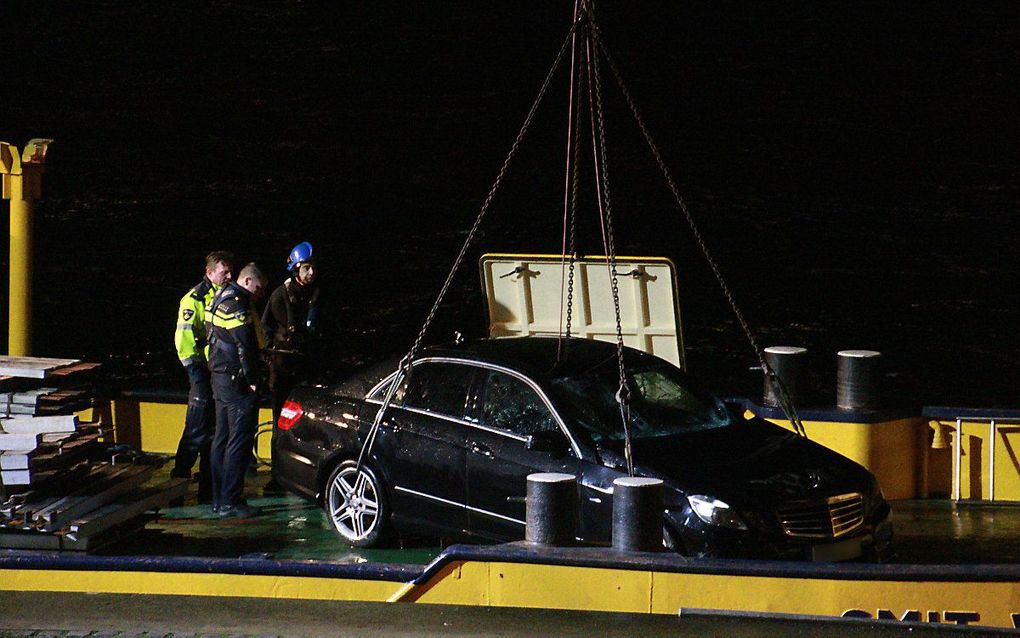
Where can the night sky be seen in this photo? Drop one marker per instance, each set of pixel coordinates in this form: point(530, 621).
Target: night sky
point(853, 167)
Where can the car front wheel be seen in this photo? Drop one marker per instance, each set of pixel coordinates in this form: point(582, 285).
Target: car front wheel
point(355, 505)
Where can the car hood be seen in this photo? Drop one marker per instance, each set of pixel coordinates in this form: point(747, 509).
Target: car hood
point(751, 459)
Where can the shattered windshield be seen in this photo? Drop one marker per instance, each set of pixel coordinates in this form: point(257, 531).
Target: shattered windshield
point(663, 402)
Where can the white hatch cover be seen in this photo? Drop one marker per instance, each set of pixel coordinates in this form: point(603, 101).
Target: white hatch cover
point(527, 295)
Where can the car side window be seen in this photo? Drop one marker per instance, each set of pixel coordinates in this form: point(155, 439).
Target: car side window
point(510, 404)
point(441, 388)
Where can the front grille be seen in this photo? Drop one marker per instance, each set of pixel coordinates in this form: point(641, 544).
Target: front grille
point(833, 517)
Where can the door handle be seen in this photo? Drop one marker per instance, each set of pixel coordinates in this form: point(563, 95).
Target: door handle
point(480, 449)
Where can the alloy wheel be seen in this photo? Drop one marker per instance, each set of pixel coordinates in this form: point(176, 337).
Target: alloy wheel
point(354, 507)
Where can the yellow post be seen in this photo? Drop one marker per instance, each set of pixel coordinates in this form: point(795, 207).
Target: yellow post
point(19, 342)
point(22, 185)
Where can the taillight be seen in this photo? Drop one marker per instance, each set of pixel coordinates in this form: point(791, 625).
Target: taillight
point(290, 413)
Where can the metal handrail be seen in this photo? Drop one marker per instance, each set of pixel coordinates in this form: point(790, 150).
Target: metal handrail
point(995, 417)
point(993, 429)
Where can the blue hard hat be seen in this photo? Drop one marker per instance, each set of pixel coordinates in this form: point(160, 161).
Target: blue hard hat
point(300, 253)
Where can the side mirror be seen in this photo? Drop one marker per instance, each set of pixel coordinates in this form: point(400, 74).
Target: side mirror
point(552, 441)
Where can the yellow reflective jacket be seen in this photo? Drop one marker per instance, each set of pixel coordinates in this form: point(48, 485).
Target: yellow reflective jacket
point(192, 334)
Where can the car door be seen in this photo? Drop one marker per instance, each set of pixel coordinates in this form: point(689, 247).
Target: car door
point(510, 409)
point(422, 445)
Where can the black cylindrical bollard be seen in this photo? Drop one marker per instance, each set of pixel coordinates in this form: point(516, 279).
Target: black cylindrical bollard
point(551, 509)
point(637, 514)
point(787, 362)
point(856, 373)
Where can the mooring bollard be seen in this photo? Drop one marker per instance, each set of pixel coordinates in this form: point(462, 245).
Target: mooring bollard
point(786, 362)
point(856, 372)
point(637, 514)
point(551, 509)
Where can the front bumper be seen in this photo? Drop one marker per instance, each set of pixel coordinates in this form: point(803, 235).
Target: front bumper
point(871, 543)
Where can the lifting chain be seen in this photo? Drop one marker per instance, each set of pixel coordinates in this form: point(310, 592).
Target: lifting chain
point(573, 225)
point(784, 397)
point(623, 394)
point(570, 275)
point(406, 362)
point(570, 197)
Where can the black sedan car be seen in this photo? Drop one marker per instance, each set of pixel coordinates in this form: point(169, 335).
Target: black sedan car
point(470, 421)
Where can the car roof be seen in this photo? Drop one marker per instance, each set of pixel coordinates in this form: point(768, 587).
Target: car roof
point(542, 357)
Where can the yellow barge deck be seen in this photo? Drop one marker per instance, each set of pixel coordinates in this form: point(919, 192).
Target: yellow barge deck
point(288, 554)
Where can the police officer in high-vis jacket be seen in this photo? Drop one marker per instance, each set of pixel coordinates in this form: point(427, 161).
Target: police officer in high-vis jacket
point(191, 341)
point(235, 363)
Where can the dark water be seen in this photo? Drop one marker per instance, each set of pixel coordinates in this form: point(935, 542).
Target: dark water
point(853, 167)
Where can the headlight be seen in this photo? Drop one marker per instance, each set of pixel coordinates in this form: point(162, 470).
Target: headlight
point(715, 512)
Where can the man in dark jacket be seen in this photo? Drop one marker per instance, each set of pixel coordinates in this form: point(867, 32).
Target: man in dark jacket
point(236, 340)
point(290, 322)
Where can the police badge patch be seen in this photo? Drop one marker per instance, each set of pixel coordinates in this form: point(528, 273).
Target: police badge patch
point(188, 314)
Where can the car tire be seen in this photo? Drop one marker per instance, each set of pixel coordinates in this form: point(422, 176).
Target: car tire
point(355, 505)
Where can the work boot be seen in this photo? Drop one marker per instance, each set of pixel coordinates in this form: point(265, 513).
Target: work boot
point(241, 510)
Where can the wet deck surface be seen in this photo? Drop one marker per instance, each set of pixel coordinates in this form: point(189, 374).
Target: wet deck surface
point(937, 531)
point(288, 528)
point(934, 531)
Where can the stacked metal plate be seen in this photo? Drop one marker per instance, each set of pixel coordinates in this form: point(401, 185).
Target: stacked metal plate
point(62, 485)
point(44, 386)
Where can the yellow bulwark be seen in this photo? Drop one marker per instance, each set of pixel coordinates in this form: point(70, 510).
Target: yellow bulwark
point(153, 422)
point(965, 454)
point(891, 445)
point(517, 575)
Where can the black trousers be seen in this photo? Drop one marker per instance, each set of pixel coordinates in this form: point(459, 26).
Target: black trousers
point(199, 426)
point(236, 421)
point(285, 371)
point(282, 379)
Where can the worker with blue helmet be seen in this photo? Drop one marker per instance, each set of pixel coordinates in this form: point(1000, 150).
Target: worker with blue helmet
point(292, 312)
point(290, 321)
point(300, 254)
